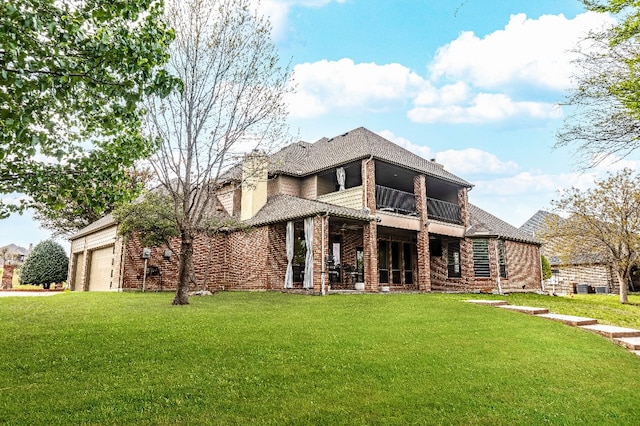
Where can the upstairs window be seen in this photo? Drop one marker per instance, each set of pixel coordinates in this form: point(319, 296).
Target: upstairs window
point(481, 266)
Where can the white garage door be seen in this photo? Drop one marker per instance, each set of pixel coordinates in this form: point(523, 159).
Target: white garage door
point(101, 266)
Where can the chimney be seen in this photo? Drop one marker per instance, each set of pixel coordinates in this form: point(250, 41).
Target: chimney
point(254, 184)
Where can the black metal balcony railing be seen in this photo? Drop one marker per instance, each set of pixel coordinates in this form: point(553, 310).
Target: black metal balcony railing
point(389, 199)
point(441, 210)
point(394, 200)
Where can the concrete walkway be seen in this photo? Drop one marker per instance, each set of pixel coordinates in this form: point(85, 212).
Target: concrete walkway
point(9, 293)
point(627, 337)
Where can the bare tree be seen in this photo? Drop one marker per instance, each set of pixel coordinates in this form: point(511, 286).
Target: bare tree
point(602, 223)
point(232, 101)
point(603, 118)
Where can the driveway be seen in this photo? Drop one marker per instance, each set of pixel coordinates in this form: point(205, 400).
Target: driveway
point(28, 293)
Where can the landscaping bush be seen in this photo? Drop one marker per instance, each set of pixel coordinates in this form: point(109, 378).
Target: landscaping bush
point(546, 268)
point(47, 263)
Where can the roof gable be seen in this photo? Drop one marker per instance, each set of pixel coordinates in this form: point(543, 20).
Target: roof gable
point(484, 224)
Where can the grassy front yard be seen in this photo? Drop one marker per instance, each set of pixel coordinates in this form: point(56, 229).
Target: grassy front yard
point(270, 358)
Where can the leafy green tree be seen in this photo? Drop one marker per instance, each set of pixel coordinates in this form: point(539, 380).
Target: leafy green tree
point(72, 76)
point(81, 211)
point(546, 267)
point(604, 107)
point(47, 263)
point(603, 222)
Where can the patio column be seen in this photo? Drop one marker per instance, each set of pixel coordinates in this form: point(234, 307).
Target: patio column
point(424, 259)
point(370, 232)
point(320, 253)
point(370, 243)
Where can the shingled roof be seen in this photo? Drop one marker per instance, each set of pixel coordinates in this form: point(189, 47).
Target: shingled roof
point(536, 223)
point(281, 208)
point(104, 222)
point(484, 224)
point(304, 159)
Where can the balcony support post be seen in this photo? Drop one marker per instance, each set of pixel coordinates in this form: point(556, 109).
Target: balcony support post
point(424, 259)
point(370, 232)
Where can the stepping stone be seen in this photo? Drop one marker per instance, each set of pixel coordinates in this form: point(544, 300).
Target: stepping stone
point(526, 309)
point(611, 331)
point(632, 343)
point(489, 302)
point(570, 319)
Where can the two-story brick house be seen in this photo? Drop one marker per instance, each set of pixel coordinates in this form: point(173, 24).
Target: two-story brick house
point(354, 212)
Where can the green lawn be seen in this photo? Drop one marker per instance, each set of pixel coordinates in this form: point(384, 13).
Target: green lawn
point(271, 358)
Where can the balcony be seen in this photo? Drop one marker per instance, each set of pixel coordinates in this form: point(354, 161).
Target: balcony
point(396, 201)
point(441, 210)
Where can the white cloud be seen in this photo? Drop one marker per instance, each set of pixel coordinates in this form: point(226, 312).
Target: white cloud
point(533, 52)
point(462, 162)
point(473, 160)
point(612, 163)
point(472, 80)
point(527, 183)
point(324, 86)
point(278, 11)
point(483, 108)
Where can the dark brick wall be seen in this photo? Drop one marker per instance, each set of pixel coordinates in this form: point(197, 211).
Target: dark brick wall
point(7, 276)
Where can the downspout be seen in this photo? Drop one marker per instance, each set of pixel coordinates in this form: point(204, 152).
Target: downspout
point(364, 182)
point(541, 274)
point(122, 260)
point(498, 267)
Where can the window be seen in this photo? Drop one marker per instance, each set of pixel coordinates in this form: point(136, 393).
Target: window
point(383, 261)
point(408, 263)
point(395, 262)
point(453, 259)
point(481, 258)
point(502, 259)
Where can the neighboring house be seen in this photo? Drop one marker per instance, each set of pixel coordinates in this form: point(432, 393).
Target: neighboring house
point(581, 268)
point(12, 257)
point(13, 254)
point(354, 212)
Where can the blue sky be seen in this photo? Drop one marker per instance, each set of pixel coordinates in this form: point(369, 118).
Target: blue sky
point(474, 84)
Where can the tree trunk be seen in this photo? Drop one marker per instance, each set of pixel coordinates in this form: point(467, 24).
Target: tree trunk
point(184, 275)
point(623, 281)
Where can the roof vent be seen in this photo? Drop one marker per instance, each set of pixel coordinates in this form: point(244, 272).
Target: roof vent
point(434, 162)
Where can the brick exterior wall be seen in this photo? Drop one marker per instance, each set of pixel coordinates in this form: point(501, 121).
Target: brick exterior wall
point(594, 275)
point(284, 185)
point(524, 271)
point(251, 260)
point(7, 276)
point(522, 264)
point(277, 259)
point(309, 188)
point(256, 259)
